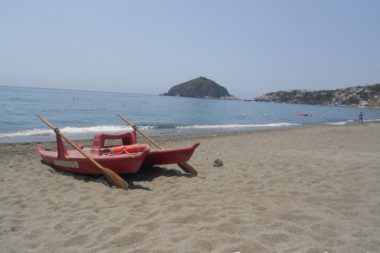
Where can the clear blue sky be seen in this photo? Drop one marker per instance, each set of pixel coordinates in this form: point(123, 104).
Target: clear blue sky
point(250, 47)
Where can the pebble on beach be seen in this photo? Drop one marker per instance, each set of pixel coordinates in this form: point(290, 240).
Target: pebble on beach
point(218, 163)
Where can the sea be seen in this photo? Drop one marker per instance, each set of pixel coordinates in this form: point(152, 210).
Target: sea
point(79, 114)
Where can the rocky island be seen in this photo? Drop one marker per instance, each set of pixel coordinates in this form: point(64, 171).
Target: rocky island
point(365, 96)
point(200, 87)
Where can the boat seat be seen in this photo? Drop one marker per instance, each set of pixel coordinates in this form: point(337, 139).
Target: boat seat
point(126, 138)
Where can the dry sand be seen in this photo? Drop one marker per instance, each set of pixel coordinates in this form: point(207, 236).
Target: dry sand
point(295, 190)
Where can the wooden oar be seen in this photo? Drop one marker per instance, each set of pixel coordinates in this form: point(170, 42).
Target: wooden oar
point(112, 177)
point(185, 166)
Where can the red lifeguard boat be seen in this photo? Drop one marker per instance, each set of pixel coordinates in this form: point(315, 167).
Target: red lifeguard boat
point(126, 157)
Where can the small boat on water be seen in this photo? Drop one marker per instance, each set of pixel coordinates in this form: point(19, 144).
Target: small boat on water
point(127, 156)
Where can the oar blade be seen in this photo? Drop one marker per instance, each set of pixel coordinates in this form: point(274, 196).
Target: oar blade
point(115, 179)
point(188, 168)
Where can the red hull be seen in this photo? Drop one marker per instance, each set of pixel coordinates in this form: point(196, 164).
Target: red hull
point(74, 162)
point(170, 156)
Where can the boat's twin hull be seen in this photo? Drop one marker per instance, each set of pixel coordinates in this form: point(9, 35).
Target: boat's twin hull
point(72, 161)
point(169, 156)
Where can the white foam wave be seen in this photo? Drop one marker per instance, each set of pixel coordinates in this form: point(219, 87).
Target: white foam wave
point(95, 129)
point(237, 126)
point(340, 123)
point(71, 130)
point(38, 132)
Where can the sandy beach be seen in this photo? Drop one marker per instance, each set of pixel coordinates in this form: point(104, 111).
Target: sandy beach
point(292, 190)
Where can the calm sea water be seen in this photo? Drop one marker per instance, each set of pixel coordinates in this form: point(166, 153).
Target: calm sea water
point(80, 114)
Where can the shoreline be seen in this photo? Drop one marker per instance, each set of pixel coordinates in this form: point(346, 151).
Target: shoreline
point(207, 132)
point(312, 189)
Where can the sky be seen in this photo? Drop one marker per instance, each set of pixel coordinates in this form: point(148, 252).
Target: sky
point(250, 47)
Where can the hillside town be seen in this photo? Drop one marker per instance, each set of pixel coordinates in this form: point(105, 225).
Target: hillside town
point(357, 96)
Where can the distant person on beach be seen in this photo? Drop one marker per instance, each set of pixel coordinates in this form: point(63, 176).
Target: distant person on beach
point(360, 118)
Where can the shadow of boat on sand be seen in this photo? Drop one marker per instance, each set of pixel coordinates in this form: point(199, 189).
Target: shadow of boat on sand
point(144, 174)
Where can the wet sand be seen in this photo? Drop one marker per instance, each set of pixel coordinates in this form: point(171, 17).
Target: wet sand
point(294, 190)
